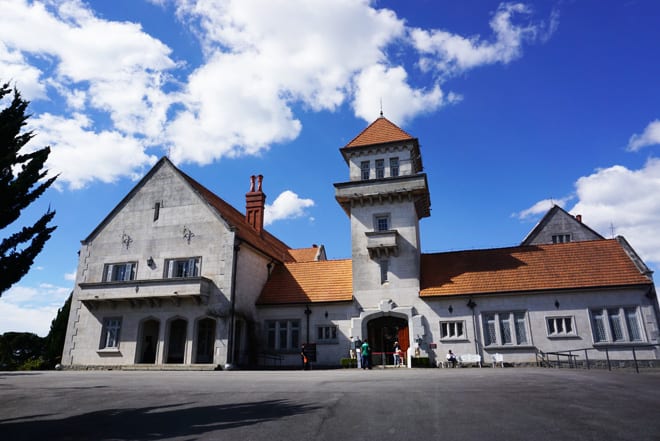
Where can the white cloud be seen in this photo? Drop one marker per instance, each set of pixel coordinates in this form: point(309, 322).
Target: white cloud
point(287, 205)
point(29, 309)
point(651, 136)
point(541, 207)
point(70, 276)
point(400, 101)
point(82, 156)
point(449, 53)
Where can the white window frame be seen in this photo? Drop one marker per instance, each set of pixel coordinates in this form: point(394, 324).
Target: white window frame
point(283, 335)
point(380, 168)
point(394, 167)
point(509, 329)
point(453, 330)
point(119, 272)
point(365, 170)
point(561, 238)
point(617, 325)
point(327, 334)
point(381, 220)
point(110, 333)
point(172, 271)
point(557, 326)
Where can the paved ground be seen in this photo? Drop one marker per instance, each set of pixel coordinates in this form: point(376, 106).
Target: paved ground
point(392, 404)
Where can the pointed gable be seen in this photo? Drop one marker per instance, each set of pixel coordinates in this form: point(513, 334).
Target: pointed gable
point(574, 265)
point(563, 226)
point(309, 282)
point(381, 131)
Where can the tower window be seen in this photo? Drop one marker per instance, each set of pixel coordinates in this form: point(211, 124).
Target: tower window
point(382, 223)
point(364, 167)
point(384, 270)
point(380, 168)
point(156, 211)
point(394, 167)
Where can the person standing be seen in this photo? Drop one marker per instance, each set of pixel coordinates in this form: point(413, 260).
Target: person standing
point(366, 355)
point(305, 358)
point(397, 356)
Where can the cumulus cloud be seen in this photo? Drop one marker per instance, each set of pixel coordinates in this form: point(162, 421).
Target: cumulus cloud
point(541, 207)
point(650, 136)
point(287, 205)
point(31, 309)
point(449, 54)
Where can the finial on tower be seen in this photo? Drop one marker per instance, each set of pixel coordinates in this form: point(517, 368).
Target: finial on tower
point(381, 107)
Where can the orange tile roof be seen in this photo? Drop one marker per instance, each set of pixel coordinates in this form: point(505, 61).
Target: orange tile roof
point(265, 242)
point(305, 254)
point(573, 265)
point(309, 282)
point(380, 131)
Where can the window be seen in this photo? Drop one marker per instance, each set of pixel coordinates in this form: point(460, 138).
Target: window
point(384, 270)
point(110, 333)
point(326, 334)
point(156, 211)
point(364, 168)
point(119, 272)
point(382, 223)
point(188, 267)
point(380, 168)
point(394, 167)
point(616, 325)
point(560, 327)
point(561, 238)
point(505, 329)
point(454, 330)
point(283, 335)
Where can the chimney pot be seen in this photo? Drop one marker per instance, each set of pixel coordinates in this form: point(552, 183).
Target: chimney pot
point(579, 218)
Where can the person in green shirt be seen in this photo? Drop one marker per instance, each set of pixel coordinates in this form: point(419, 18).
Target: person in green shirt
point(366, 355)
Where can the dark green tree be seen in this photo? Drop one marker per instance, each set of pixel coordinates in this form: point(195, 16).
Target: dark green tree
point(20, 171)
point(54, 344)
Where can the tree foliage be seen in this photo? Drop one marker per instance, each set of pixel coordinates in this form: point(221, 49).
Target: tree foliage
point(20, 171)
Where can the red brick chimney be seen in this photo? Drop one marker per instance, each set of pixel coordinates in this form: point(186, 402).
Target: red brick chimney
point(255, 202)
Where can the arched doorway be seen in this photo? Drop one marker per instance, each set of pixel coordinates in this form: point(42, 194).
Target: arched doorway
point(149, 341)
point(382, 333)
point(205, 340)
point(176, 348)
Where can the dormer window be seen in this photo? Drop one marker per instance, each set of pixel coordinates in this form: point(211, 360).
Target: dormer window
point(561, 238)
point(380, 168)
point(364, 170)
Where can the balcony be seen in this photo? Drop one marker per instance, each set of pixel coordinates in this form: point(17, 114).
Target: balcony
point(382, 243)
point(147, 292)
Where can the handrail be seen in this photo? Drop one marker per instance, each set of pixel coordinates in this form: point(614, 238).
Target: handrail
point(572, 358)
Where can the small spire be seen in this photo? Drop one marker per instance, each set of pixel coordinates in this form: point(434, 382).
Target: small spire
point(381, 107)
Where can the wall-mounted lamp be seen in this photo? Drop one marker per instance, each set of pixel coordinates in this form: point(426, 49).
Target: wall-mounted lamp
point(471, 304)
point(150, 262)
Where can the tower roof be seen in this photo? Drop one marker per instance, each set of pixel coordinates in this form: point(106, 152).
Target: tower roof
point(381, 131)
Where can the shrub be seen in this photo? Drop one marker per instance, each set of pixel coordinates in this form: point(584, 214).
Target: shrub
point(348, 363)
point(421, 362)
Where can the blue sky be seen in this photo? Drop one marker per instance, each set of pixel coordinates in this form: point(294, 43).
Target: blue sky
point(516, 105)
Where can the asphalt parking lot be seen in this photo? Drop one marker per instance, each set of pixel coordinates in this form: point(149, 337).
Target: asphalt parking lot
point(391, 404)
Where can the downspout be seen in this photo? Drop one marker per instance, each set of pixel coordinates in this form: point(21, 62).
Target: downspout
point(232, 312)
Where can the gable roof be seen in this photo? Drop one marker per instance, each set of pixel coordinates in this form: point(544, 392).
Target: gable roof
point(381, 131)
point(572, 265)
point(309, 282)
point(556, 210)
point(264, 242)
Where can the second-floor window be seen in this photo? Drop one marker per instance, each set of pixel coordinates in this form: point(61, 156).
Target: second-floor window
point(188, 267)
point(382, 223)
point(380, 168)
point(119, 272)
point(364, 170)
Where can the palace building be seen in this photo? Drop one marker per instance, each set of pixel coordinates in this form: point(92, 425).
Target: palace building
point(176, 276)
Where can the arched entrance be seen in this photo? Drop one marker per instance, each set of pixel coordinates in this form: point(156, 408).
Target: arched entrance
point(176, 347)
point(205, 340)
point(148, 341)
point(382, 333)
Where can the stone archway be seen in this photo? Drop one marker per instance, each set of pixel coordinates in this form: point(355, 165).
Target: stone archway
point(148, 341)
point(382, 332)
point(176, 342)
point(205, 340)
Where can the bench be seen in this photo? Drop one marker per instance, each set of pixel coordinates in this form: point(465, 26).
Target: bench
point(466, 359)
point(498, 359)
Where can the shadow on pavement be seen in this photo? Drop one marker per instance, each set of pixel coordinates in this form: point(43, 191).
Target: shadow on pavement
point(150, 423)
